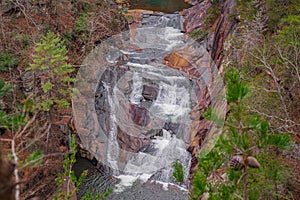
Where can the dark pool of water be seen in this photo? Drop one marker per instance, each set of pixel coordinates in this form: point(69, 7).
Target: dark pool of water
point(166, 6)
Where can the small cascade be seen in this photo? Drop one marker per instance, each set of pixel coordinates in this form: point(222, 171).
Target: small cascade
point(112, 144)
point(162, 20)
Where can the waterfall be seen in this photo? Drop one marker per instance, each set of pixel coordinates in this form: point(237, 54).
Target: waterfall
point(153, 95)
point(144, 108)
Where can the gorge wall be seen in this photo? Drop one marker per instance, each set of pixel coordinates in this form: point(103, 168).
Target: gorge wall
point(196, 20)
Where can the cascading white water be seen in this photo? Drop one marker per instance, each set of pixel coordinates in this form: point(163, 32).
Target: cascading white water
point(139, 119)
point(112, 145)
point(172, 104)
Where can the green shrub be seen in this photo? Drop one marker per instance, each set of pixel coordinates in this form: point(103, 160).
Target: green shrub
point(198, 34)
point(8, 60)
point(81, 24)
point(213, 13)
point(244, 163)
point(89, 195)
point(51, 66)
point(4, 88)
point(178, 171)
point(22, 39)
point(278, 9)
point(69, 174)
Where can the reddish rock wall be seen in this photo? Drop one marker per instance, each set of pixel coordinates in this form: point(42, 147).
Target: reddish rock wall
point(195, 19)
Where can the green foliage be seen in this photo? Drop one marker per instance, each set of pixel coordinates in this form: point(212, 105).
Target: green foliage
point(89, 195)
point(276, 10)
point(203, 182)
point(247, 9)
point(178, 171)
point(34, 159)
point(81, 24)
point(22, 39)
point(198, 34)
point(213, 13)
point(290, 32)
point(245, 136)
point(68, 38)
point(69, 174)
point(276, 93)
point(279, 9)
point(4, 88)
point(8, 60)
point(12, 121)
point(212, 116)
point(73, 183)
point(51, 66)
point(16, 120)
point(236, 89)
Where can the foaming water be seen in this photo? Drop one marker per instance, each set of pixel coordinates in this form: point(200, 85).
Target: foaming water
point(138, 113)
point(142, 102)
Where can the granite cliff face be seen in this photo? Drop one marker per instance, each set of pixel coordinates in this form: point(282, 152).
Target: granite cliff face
point(195, 18)
point(224, 26)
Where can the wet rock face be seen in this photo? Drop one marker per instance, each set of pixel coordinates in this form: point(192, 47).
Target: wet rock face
point(194, 17)
point(106, 83)
point(130, 143)
point(139, 115)
point(172, 127)
point(150, 92)
point(224, 26)
point(145, 103)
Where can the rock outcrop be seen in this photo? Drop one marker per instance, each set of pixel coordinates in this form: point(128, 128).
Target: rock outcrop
point(195, 19)
point(223, 27)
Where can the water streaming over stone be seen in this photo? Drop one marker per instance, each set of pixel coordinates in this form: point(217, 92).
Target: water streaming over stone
point(139, 106)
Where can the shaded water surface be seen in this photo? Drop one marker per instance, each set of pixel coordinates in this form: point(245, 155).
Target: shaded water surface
point(166, 6)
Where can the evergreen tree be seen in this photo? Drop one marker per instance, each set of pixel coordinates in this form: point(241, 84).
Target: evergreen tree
point(244, 162)
point(51, 67)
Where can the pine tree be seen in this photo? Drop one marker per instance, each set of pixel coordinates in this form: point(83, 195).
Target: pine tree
point(244, 163)
point(52, 69)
